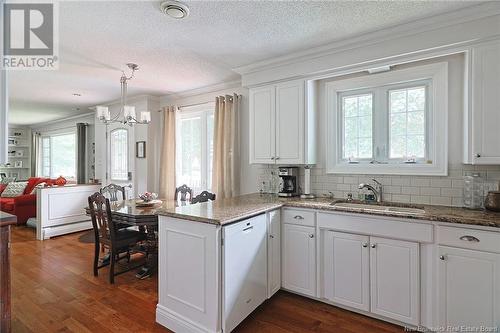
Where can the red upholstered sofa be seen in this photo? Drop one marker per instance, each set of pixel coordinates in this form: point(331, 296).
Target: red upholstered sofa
point(23, 206)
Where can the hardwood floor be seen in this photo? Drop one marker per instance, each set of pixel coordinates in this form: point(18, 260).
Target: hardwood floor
point(54, 290)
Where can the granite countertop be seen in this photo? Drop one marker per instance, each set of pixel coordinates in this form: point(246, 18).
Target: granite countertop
point(230, 210)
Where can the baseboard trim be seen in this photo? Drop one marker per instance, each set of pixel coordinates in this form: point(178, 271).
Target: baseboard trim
point(49, 232)
point(177, 323)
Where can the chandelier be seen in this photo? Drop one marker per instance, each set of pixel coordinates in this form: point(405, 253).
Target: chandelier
point(127, 114)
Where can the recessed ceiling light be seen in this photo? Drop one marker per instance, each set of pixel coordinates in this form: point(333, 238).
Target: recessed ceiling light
point(174, 9)
point(77, 94)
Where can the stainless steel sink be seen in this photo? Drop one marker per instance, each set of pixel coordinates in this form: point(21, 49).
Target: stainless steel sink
point(379, 208)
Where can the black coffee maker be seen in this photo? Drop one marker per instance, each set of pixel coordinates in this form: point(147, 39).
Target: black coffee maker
point(289, 181)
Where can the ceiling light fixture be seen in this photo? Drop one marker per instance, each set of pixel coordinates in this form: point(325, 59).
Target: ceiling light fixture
point(174, 9)
point(126, 115)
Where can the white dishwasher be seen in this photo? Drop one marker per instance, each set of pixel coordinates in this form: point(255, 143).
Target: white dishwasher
point(244, 269)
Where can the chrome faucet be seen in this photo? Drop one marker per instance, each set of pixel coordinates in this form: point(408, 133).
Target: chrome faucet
point(377, 189)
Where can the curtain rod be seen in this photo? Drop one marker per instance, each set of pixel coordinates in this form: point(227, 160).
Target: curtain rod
point(196, 104)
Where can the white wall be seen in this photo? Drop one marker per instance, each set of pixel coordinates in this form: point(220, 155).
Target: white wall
point(248, 174)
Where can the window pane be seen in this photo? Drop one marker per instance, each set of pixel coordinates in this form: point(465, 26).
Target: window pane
point(358, 126)
point(407, 120)
point(45, 157)
point(63, 156)
point(190, 156)
point(119, 154)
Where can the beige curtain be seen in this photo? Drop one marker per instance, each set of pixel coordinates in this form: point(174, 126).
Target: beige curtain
point(226, 113)
point(167, 159)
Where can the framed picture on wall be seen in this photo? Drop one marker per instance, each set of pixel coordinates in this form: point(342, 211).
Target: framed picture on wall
point(140, 149)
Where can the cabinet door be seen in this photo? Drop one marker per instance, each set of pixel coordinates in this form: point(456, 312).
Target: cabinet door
point(290, 122)
point(395, 279)
point(346, 269)
point(486, 103)
point(468, 288)
point(273, 252)
point(262, 125)
point(244, 269)
point(299, 259)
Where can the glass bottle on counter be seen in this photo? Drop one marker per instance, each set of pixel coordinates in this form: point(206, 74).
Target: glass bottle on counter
point(473, 191)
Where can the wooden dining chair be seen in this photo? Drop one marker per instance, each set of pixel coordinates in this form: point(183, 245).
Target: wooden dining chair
point(183, 190)
point(111, 191)
point(203, 197)
point(116, 241)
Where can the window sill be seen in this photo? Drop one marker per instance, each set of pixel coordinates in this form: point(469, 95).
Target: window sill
point(390, 169)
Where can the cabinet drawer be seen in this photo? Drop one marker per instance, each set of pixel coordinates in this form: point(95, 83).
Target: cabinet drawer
point(300, 217)
point(469, 238)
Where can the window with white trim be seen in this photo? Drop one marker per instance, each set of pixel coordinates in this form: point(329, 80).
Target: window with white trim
point(58, 156)
point(194, 147)
point(389, 123)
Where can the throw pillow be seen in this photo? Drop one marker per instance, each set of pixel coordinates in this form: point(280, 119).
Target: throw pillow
point(14, 189)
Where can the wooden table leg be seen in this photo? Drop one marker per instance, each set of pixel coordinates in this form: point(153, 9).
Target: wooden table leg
point(5, 306)
point(152, 248)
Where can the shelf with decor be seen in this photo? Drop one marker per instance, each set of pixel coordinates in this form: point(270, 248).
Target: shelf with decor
point(19, 154)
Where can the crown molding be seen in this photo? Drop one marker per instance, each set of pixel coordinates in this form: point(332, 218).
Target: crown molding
point(203, 90)
point(62, 120)
point(405, 29)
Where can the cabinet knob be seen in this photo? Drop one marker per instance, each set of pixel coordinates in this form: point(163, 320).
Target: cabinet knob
point(311, 235)
point(442, 257)
point(271, 236)
point(298, 217)
point(478, 155)
point(272, 157)
point(365, 244)
point(277, 158)
point(373, 246)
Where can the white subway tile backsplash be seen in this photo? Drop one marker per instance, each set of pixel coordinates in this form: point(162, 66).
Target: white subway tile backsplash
point(408, 189)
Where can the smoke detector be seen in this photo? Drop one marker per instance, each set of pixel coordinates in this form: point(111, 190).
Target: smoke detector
point(174, 9)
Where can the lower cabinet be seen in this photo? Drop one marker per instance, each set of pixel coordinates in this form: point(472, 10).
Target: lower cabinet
point(372, 274)
point(299, 259)
point(468, 288)
point(273, 252)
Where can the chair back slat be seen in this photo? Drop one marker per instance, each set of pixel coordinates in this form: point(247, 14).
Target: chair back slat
point(100, 213)
point(184, 191)
point(111, 191)
point(203, 197)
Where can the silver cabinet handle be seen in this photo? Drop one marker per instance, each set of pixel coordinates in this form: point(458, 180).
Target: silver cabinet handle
point(272, 158)
point(248, 228)
point(478, 155)
point(277, 158)
point(469, 238)
point(298, 217)
point(373, 246)
point(311, 235)
point(271, 236)
point(365, 245)
point(442, 257)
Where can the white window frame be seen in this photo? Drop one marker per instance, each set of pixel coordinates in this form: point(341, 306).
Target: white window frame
point(127, 177)
point(203, 111)
point(435, 76)
point(40, 164)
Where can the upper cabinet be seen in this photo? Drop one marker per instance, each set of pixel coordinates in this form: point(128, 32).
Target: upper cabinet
point(282, 123)
point(482, 117)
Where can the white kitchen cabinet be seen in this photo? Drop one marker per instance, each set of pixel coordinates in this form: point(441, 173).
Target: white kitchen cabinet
point(273, 252)
point(299, 259)
point(468, 288)
point(282, 124)
point(262, 125)
point(395, 279)
point(346, 269)
point(482, 118)
point(374, 274)
point(244, 267)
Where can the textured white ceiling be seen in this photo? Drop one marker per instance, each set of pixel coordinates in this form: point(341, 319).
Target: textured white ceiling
point(98, 38)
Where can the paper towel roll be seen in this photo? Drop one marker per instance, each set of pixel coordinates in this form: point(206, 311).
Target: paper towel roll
point(307, 180)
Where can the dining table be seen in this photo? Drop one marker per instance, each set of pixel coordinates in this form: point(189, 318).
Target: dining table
point(134, 213)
